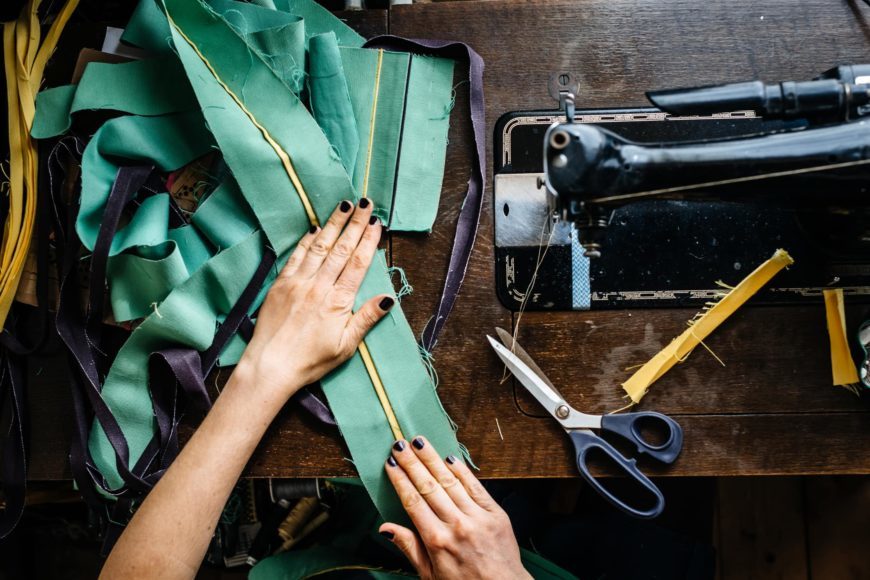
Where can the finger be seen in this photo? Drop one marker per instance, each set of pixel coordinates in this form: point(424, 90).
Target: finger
point(427, 486)
point(347, 242)
point(418, 510)
point(323, 242)
point(475, 489)
point(355, 270)
point(298, 253)
point(366, 317)
point(442, 474)
point(410, 545)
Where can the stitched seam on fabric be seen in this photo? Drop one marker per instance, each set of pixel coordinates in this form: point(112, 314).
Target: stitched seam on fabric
point(288, 166)
point(399, 144)
point(365, 187)
point(282, 155)
point(380, 390)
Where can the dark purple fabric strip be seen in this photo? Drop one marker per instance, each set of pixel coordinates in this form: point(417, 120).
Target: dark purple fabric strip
point(469, 214)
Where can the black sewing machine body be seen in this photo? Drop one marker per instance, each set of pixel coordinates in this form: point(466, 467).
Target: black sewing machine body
point(662, 250)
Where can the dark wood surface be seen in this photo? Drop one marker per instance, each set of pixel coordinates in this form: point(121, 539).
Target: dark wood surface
point(770, 410)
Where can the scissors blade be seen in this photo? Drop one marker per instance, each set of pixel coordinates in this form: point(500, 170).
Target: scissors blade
point(539, 389)
point(507, 339)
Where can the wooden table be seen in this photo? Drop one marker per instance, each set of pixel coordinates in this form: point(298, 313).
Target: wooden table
point(770, 410)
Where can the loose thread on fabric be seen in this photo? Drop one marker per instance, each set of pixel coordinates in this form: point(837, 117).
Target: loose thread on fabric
point(405, 287)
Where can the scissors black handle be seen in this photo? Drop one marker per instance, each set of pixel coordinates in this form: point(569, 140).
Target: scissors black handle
point(586, 441)
point(627, 426)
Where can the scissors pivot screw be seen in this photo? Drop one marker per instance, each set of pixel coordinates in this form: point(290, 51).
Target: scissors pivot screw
point(562, 411)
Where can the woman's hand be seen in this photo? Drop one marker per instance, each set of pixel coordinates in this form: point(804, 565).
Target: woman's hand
point(306, 326)
point(463, 533)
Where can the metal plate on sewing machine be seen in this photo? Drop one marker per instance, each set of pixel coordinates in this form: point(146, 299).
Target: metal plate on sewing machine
point(659, 253)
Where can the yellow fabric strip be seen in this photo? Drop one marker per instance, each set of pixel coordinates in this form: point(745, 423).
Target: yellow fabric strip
point(24, 64)
point(842, 365)
point(365, 187)
point(702, 326)
point(294, 178)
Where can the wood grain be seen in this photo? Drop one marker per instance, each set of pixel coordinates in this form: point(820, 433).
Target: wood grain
point(837, 532)
point(770, 410)
point(761, 529)
point(777, 368)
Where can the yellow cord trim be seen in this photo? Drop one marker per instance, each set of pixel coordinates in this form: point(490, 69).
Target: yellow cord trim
point(282, 155)
point(842, 365)
point(701, 327)
point(380, 390)
point(288, 166)
point(365, 187)
point(24, 64)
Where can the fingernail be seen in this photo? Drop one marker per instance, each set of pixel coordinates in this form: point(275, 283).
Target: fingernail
point(398, 446)
point(312, 229)
point(345, 206)
point(385, 304)
point(450, 459)
point(373, 220)
point(364, 202)
point(418, 443)
point(388, 534)
point(391, 461)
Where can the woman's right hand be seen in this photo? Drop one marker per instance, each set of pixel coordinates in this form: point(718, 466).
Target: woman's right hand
point(463, 533)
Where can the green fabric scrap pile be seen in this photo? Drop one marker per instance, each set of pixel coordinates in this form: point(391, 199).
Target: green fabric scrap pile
point(303, 117)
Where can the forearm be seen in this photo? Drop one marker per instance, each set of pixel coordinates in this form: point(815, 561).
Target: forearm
point(170, 532)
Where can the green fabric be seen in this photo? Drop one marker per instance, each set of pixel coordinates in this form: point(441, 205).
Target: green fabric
point(169, 141)
point(424, 144)
point(255, 165)
point(409, 388)
point(277, 37)
point(319, 20)
point(184, 281)
point(187, 318)
point(224, 217)
point(154, 86)
point(140, 281)
point(379, 166)
point(330, 100)
point(148, 28)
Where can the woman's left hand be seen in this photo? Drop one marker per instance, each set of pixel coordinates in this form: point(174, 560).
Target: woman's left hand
point(306, 326)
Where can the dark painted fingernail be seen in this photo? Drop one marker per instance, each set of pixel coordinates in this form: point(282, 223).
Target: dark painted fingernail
point(388, 534)
point(398, 446)
point(312, 229)
point(385, 304)
point(364, 202)
point(418, 443)
point(450, 459)
point(391, 461)
point(345, 206)
point(373, 220)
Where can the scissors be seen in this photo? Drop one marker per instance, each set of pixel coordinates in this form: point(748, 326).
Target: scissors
point(579, 427)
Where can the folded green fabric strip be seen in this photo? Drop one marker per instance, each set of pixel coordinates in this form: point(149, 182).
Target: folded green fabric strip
point(154, 86)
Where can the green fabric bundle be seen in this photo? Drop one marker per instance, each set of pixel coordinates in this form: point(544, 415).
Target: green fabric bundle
point(303, 118)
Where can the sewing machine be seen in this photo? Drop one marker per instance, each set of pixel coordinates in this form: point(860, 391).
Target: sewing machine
point(656, 205)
